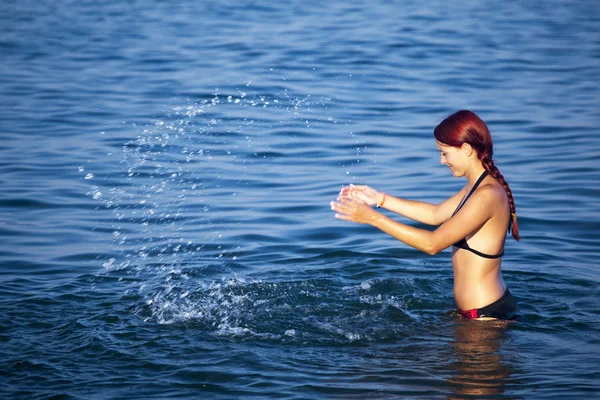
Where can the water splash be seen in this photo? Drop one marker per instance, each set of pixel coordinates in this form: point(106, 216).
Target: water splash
point(167, 235)
point(302, 310)
point(172, 165)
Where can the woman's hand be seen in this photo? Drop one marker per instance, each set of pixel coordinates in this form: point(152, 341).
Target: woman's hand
point(352, 209)
point(363, 193)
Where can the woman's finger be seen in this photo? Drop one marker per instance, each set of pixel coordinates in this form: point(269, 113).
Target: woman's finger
point(345, 191)
point(346, 200)
point(343, 211)
point(343, 217)
point(339, 207)
point(353, 189)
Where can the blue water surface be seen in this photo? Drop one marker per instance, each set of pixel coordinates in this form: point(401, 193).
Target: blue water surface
point(166, 173)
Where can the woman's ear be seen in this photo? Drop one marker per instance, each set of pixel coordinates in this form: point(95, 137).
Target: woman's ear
point(467, 149)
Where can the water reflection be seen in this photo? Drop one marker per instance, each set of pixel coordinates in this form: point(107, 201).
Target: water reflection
point(479, 368)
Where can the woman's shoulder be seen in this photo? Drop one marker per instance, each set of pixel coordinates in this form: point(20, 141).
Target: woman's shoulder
point(491, 192)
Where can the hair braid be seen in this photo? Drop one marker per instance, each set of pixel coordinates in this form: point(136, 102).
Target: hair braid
point(489, 165)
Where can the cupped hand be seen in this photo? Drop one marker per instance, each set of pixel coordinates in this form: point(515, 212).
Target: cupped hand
point(352, 209)
point(364, 193)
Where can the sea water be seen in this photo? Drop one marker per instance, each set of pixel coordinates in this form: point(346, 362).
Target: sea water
point(167, 169)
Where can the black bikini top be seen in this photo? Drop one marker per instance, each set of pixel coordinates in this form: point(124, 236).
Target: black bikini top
point(462, 244)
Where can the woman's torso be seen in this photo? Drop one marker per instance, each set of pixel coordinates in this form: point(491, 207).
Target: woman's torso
point(477, 280)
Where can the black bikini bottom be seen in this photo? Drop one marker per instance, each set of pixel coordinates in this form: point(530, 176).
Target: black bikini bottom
point(503, 308)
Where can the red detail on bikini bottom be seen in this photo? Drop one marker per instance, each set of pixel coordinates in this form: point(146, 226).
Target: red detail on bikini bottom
point(469, 313)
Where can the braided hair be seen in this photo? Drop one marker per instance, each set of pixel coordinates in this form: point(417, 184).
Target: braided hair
point(465, 127)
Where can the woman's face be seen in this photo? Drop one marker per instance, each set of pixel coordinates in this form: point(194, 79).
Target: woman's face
point(453, 157)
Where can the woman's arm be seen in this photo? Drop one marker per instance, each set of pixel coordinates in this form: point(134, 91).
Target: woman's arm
point(426, 213)
point(471, 217)
point(419, 211)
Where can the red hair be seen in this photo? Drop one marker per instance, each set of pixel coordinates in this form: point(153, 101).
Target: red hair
point(465, 127)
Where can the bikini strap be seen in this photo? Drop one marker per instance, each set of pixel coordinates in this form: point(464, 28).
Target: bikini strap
point(481, 178)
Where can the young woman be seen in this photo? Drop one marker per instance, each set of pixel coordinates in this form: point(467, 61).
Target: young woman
point(474, 221)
